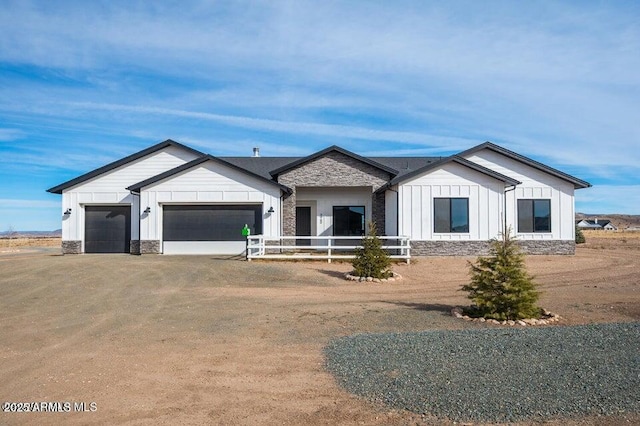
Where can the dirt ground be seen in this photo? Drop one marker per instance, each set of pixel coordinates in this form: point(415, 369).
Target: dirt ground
point(196, 340)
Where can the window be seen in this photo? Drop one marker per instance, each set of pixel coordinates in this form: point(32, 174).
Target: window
point(534, 215)
point(451, 214)
point(348, 221)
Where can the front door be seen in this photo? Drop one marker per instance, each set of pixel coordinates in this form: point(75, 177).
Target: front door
point(303, 225)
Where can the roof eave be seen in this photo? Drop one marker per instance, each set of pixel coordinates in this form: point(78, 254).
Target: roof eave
point(114, 165)
point(140, 185)
point(577, 183)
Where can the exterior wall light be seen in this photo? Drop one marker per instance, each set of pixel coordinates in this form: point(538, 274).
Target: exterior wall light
point(147, 210)
point(67, 212)
point(271, 210)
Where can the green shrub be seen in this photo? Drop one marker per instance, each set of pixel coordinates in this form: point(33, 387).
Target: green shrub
point(580, 236)
point(500, 286)
point(371, 260)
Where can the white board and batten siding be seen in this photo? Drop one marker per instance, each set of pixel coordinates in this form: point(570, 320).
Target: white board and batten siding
point(208, 183)
point(536, 184)
point(415, 199)
point(110, 189)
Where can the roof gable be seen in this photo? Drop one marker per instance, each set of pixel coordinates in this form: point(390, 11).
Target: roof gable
point(458, 160)
point(123, 161)
point(324, 152)
point(138, 186)
point(578, 183)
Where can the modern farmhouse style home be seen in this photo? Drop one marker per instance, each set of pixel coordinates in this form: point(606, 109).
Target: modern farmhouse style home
point(173, 199)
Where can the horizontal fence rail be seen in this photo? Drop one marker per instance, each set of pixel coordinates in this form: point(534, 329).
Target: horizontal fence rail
point(320, 248)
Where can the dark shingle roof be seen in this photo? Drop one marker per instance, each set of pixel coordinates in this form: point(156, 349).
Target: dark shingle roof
point(264, 165)
point(97, 172)
point(325, 151)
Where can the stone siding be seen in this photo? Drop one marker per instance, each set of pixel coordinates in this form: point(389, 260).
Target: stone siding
point(378, 215)
point(134, 247)
point(548, 246)
point(449, 248)
point(71, 247)
point(149, 247)
point(332, 169)
point(481, 248)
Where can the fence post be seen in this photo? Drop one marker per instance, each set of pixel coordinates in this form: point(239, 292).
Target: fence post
point(329, 250)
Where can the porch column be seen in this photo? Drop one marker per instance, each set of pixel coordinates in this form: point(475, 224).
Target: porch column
point(289, 214)
point(378, 214)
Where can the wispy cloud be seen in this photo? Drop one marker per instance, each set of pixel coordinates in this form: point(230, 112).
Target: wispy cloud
point(21, 204)
point(624, 199)
point(557, 81)
point(7, 135)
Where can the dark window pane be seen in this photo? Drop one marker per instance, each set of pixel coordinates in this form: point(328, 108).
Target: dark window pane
point(442, 214)
point(451, 215)
point(542, 212)
point(348, 221)
point(459, 215)
point(210, 223)
point(525, 215)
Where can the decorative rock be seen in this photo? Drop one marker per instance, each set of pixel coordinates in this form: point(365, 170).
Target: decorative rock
point(394, 277)
point(548, 318)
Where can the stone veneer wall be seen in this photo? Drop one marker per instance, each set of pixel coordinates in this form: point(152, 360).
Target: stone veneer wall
point(134, 247)
point(480, 248)
point(149, 246)
point(378, 214)
point(332, 169)
point(548, 246)
point(71, 246)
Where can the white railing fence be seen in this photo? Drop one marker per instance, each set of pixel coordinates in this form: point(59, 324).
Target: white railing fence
point(320, 248)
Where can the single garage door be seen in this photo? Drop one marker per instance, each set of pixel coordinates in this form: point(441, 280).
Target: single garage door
point(208, 229)
point(107, 229)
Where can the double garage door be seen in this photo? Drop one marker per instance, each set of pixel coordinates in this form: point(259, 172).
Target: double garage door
point(186, 229)
point(208, 229)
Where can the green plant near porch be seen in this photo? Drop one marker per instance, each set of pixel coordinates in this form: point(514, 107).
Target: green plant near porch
point(501, 288)
point(580, 236)
point(371, 260)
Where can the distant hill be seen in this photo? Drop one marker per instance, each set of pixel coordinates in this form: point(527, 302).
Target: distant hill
point(31, 234)
point(621, 221)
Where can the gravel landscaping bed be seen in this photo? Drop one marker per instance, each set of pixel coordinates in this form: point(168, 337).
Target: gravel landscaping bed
point(496, 375)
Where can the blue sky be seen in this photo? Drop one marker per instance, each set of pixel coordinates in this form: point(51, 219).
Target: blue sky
point(86, 83)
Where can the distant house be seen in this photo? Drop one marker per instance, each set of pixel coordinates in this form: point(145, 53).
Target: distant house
point(172, 199)
point(597, 224)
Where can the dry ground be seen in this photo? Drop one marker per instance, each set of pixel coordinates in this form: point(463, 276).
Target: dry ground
point(196, 340)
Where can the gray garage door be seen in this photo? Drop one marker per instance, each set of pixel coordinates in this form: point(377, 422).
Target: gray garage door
point(210, 222)
point(107, 229)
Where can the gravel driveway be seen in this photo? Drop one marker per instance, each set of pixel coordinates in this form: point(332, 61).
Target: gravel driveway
point(496, 375)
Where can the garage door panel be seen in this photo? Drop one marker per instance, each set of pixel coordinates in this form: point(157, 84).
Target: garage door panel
point(107, 229)
point(210, 222)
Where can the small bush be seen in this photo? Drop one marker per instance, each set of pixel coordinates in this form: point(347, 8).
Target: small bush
point(580, 236)
point(371, 260)
point(500, 286)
